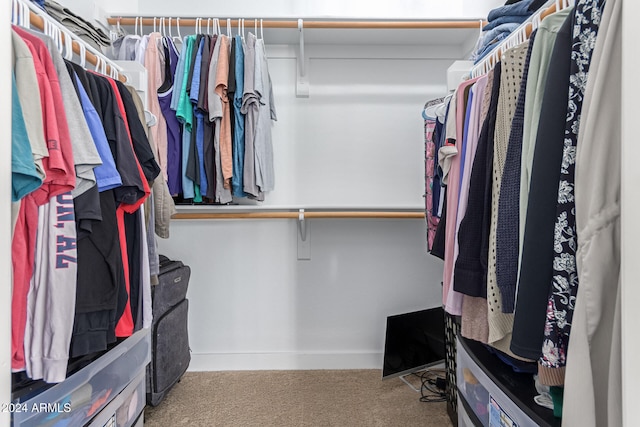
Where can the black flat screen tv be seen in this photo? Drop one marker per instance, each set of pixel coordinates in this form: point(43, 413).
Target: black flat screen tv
point(413, 341)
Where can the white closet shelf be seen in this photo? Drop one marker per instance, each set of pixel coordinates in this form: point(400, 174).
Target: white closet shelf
point(274, 212)
point(324, 24)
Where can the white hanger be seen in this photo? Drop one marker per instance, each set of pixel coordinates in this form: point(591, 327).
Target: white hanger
point(68, 46)
point(177, 40)
point(14, 12)
point(154, 24)
point(82, 54)
point(26, 16)
point(229, 34)
point(255, 27)
point(58, 33)
point(218, 26)
point(261, 30)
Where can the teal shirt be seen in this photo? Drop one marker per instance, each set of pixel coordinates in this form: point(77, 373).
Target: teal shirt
point(184, 112)
point(24, 176)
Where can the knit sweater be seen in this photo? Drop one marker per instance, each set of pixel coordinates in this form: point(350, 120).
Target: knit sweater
point(500, 324)
point(508, 205)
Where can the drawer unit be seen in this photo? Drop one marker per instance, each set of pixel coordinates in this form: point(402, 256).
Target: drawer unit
point(82, 396)
point(494, 393)
point(125, 407)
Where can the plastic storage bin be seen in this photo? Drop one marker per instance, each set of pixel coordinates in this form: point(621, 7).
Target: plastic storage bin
point(82, 396)
point(125, 408)
point(494, 393)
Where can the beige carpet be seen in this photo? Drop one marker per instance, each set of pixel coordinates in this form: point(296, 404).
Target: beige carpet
point(349, 398)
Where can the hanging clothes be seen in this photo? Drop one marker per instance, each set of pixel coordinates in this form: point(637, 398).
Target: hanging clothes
point(537, 251)
point(263, 144)
point(430, 168)
point(565, 276)
point(593, 391)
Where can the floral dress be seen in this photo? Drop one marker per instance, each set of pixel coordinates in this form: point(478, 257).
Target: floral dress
point(564, 285)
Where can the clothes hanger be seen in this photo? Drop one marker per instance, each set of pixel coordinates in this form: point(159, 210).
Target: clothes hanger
point(14, 17)
point(26, 17)
point(83, 55)
point(58, 39)
point(261, 30)
point(229, 33)
point(177, 40)
point(154, 24)
point(68, 46)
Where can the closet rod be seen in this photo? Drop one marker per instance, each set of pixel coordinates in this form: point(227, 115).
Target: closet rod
point(296, 215)
point(191, 22)
point(38, 22)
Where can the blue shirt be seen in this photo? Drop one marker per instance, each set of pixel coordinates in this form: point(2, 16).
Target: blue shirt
point(199, 115)
point(238, 134)
point(107, 176)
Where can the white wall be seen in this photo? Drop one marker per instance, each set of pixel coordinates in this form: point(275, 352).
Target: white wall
point(630, 293)
point(253, 305)
point(400, 9)
point(357, 141)
point(5, 213)
point(407, 9)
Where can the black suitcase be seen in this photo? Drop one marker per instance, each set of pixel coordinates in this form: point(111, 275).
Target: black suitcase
point(170, 354)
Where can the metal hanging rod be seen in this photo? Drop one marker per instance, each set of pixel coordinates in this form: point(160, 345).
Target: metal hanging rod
point(293, 23)
point(306, 214)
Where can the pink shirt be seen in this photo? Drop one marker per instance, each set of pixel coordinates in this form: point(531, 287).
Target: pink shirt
point(60, 178)
point(454, 303)
point(154, 81)
point(450, 298)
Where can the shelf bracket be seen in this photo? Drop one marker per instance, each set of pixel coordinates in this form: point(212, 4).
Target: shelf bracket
point(304, 245)
point(302, 81)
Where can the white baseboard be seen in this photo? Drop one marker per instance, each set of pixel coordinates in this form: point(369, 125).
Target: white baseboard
point(283, 361)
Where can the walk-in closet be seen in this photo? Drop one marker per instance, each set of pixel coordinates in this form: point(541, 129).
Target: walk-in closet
point(303, 174)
